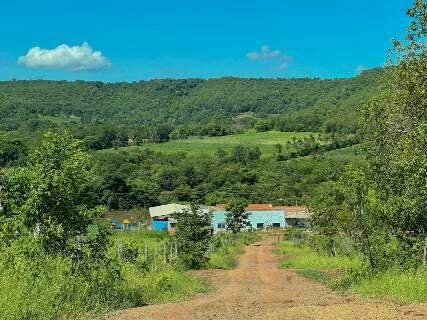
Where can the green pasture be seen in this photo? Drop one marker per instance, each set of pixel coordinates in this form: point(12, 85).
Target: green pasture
point(209, 145)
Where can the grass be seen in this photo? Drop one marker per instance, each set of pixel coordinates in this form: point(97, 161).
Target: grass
point(407, 286)
point(143, 236)
point(315, 275)
point(209, 145)
point(350, 154)
point(225, 256)
point(161, 285)
point(37, 286)
point(349, 274)
point(303, 257)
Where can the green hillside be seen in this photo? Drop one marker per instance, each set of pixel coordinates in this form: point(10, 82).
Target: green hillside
point(34, 105)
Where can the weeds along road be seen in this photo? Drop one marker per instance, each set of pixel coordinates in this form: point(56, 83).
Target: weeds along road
point(257, 289)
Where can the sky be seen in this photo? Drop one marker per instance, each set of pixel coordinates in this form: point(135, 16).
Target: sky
point(131, 40)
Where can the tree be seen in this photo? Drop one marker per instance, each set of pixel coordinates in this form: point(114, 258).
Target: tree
point(193, 235)
point(12, 152)
point(383, 203)
point(254, 154)
point(46, 196)
point(236, 217)
point(279, 151)
point(240, 154)
point(395, 137)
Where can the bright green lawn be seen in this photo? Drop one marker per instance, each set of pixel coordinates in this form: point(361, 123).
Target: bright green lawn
point(202, 145)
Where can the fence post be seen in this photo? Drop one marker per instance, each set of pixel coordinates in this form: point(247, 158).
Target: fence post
point(176, 250)
point(145, 252)
point(164, 253)
point(120, 249)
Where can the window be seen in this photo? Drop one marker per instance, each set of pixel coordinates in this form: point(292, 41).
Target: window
point(260, 225)
point(276, 225)
point(221, 225)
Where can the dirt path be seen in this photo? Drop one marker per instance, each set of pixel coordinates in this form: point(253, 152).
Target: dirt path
point(257, 289)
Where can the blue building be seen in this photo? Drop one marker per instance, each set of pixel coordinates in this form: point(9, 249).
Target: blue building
point(261, 216)
point(162, 217)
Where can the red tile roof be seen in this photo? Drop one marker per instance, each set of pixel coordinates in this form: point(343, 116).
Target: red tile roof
point(251, 207)
point(259, 206)
point(292, 208)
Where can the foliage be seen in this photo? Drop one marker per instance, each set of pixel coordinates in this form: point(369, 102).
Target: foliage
point(236, 217)
point(46, 195)
point(350, 274)
point(405, 286)
point(380, 205)
point(228, 247)
point(193, 235)
point(300, 255)
point(106, 115)
point(12, 152)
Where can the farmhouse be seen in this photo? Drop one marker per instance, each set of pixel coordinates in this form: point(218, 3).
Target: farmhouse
point(261, 216)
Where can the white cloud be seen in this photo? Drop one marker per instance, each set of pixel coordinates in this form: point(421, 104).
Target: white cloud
point(76, 58)
point(266, 53)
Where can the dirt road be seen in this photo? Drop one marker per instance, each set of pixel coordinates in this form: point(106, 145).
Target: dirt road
point(257, 289)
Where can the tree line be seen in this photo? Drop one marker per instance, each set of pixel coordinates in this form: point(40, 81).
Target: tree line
point(380, 203)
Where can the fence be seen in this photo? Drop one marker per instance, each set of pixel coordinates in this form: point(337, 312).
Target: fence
point(167, 252)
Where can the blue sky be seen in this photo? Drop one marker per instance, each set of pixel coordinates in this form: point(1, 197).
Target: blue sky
point(132, 40)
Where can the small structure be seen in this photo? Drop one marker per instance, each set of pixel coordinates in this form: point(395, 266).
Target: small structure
point(162, 216)
point(126, 225)
point(296, 216)
point(261, 216)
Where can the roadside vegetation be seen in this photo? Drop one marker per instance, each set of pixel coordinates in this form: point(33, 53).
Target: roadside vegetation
point(56, 264)
point(228, 247)
point(375, 212)
point(344, 269)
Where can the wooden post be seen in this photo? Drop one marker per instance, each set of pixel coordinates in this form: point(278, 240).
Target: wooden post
point(120, 249)
point(164, 253)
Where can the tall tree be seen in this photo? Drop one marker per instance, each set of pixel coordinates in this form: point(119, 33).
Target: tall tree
point(236, 217)
point(395, 126)
point(47, 195)
point(193, 235)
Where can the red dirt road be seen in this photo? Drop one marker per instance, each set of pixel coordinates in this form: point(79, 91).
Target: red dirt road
point(257, 289)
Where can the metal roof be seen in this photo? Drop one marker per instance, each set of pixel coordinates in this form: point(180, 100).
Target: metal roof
point(298, 212)
point(167, 209)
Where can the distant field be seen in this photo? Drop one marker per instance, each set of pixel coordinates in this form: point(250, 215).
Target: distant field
point(209, 145)
point(349, 154)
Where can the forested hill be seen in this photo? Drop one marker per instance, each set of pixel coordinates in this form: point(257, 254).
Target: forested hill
point(309, 104)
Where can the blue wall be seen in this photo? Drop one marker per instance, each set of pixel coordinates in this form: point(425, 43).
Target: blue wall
point(160, 225)
point(267, 217)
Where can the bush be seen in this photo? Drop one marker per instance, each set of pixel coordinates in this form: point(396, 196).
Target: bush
point(40, 286)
